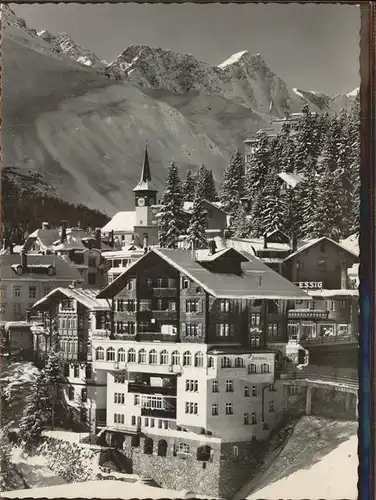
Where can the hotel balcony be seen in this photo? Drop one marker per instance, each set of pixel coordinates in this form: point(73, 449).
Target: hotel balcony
point(308, 314)
point(158, 413)
point(140, 388)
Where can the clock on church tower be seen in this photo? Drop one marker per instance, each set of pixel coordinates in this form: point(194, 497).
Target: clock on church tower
point(141, 202)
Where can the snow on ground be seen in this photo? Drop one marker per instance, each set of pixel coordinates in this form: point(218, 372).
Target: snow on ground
point(16, 374)
point(320, 460)
point(34, 470)
point(101, 489)
point(71, 437)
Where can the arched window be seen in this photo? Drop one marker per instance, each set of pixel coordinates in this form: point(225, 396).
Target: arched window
point(187, 358)
point(204, 453)
point(265, 368)
point(226, 362)
point(121, 355)
point(153, 357)
point(252, 368)
point(162, 448)
point(110, 354)
point(148, 446)
point(210, 362)
point(71, 393)
point(99, 353)
point(175, 358)
point(131, 356)
point(239, 363)
point(199, 359)
point(164, 357)
point(142, 356)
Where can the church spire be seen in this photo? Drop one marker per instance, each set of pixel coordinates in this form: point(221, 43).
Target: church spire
point(145, 183)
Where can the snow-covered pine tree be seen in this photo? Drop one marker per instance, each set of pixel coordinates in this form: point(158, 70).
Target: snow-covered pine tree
point(35, 415)
point(307, 142)
point(172, 219)
point(240, 224)
point(196, 229)
point(354, 163)
point(273, 208)
point(256, 172)
point(232, 188)
point(189, 186)
point(53, 378)
point(205, 185)
point(309, 199)
point(5, 461)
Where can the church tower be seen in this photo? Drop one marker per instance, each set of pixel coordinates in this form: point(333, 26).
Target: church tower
point(145, 196)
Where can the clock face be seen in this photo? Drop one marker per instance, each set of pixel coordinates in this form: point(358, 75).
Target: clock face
point(141, 202)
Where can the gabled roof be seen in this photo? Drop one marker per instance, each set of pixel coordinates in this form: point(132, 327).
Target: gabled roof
point(257, 280)
point(63, 270)
point(85, 296)
point(188, 205)
point(315, 241)
point(46, 238)
point(122, 221)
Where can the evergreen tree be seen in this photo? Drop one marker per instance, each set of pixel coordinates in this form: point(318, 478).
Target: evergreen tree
point(36, 414)
point(6, 481)
point(232, 189)
point(309, 201)
point(240, 224)
point(189, 187)
point(53, 378)
point(196, 229)
point(307, 142)
point(354, 163)
point(172, 219)
point(256, 173)
point(273, 209)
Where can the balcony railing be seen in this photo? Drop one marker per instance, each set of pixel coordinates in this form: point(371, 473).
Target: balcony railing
point(308, 313)
point(134, 387)
point(154, 412)
point(162, 337)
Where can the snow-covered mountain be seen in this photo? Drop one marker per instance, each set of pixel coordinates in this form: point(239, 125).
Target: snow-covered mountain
point(82, 124)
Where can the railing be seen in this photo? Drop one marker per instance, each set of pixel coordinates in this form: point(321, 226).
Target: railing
point(156, 412)
point(163, 337)
point(308, 313)
point(148, 389)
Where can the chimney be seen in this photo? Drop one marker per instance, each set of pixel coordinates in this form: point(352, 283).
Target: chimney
point(265, 240)
point(294, 244)
point(45, 225)
point(98, 236)
point(23, 260)
point(112, 239)
point(212, 247)
point(344, 278)
point(63, 234)
point(145, 244)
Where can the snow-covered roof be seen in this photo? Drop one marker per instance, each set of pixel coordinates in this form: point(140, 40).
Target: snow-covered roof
point(314, 241)
point(334, 293)
point(121, 222)
point(85, 296)
point(352, 243)
point(73, 240)
point(291, 179)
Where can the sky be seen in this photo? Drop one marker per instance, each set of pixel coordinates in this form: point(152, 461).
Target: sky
point(310, 46)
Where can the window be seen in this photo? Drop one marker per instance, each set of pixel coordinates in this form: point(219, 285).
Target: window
point(119, 398)
point(229, 386)
point(293, 331)
point(225, 330)
point(254, 419)
point(191, 408)
point(255, 319)
point(32, 292)
point(162, 448)
point(153, 357)
point(210, 362)
point(226, 362)
point(182, 448)
point(191, 329)
point(148, 446)
point(110, 354)
point(145, 305)
point(84, 395)
point(311, 305)
point(66, 370)
point(271, 406)
point(17, 291)
point(343, 304)
point(164, 358)
point(187, 359)
point(265, 368)
point(199, 359)
point(99, 354)
point(175, 358)
point(136, 400)
point(225, 305)
point(152, 422)
point(185, 283)
point(255, 340)
point(215, 386)
point(342, 329)
point(143, 326)
point(214, 409)
point(254, 390)
point(191, 385)
point(67, 304)
point(229, 410)
point(71, 393)
point(252, 368)
point(76, 371)
point(160, 424)
point(133, 420)
point(172, 305)
point(273, 329)
point(119, 378)
point(121, 355)
point(246, 391)
point(131, 356)
point(126, 305)
point(246, 419)
point(239, 362)
point(142, 356)
point(146, 422)
point(235, 451)
point(191, 306)
point(131, 284)
point(119, 418)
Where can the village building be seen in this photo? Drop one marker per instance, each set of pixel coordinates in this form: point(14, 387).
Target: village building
point(139, 227)
point(65, 320)
point(193, 359)
point(24, 279)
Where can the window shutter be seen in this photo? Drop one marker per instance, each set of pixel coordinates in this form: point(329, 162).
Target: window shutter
point(183, 328)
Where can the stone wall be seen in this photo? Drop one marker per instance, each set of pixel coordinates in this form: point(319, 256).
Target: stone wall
point(333, 404)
